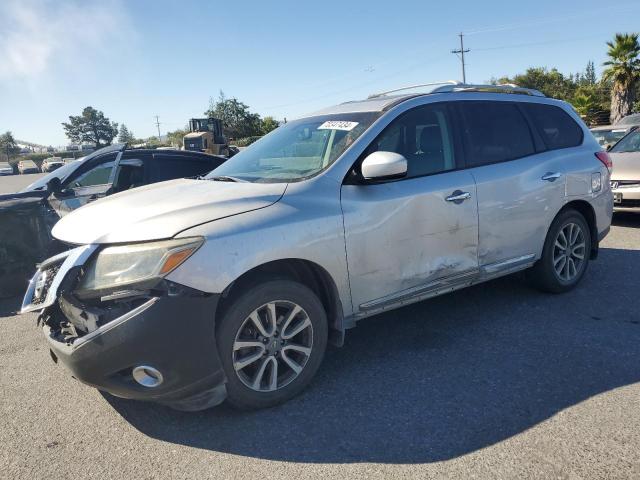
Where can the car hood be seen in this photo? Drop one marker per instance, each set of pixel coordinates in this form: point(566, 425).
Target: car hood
point(162, 210)
point(626, 165)
point(9, 199)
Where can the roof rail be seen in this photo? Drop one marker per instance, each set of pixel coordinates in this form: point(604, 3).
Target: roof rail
point(448, 83)
point(500, 88)
point(451, 86)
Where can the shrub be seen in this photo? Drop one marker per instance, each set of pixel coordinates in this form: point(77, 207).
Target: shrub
point(245, 142)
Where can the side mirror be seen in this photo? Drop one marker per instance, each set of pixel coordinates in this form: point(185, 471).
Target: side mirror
point(54, 185)
point(384, 166)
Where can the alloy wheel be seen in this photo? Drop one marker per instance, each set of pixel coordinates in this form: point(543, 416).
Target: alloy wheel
point(272, 346)
point(569, 252)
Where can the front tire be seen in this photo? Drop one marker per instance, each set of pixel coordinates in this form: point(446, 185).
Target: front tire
point(565, 256)
point(271, 340)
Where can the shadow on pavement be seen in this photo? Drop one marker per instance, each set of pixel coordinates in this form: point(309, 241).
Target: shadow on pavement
point(438, 379)
point(10, 306)
point(626, 219)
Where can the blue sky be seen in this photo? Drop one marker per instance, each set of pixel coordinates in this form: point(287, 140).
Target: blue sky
point(140, 58)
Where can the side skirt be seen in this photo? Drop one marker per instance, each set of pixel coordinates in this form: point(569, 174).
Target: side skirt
point(445, 285)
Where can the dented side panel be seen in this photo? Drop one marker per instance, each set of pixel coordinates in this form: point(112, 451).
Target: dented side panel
point(517, 205)
point(404, 234)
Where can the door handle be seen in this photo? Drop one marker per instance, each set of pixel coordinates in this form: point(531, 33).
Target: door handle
point(551, 176)
point(458, 197)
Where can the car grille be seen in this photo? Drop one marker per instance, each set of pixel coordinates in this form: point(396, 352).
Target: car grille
point(625, 183)
point(43, 286)
point(193, 144)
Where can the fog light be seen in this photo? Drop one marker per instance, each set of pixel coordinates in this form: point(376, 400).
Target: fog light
point(596, 182)
point(147, 376)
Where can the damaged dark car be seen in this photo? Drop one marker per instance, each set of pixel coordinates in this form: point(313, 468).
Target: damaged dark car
point(28, 216)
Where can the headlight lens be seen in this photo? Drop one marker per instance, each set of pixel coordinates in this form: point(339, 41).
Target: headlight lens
point(123, 266)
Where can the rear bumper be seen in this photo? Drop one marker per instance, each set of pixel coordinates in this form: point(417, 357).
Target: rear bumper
point(629, 196)
point(173, 334)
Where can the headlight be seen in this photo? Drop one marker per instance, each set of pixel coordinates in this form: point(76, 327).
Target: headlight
point(124, 267)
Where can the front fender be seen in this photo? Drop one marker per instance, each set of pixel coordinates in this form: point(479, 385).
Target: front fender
point(310, 229)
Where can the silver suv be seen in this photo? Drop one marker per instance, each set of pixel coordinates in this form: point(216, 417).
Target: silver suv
point(230, 286)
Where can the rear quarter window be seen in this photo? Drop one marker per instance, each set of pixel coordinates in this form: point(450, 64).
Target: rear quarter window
point(555, 126)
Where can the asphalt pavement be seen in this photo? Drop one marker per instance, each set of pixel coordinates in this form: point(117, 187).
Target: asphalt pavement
point(14, 183)
point(495, 381)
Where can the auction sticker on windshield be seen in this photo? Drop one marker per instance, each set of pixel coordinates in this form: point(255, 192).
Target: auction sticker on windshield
point(338, 125)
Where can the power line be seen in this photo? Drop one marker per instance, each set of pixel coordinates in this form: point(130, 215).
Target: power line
point(462, 51)
point(555, 19)
point(412, 66)
point(533, 44)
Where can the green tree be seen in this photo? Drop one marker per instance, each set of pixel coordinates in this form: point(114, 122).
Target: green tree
point(175, 137)
point(591, 97)
point(585, 102)
point(623, 70)
point(126, 135)
point(550, 82)
point(237, 120)
point(590, 77)
point(267, 124)
point(8, 145)
point(91, 127)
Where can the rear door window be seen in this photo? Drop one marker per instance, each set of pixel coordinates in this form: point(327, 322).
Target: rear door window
point(556, 127)
point(494, 132)
point(131, 171)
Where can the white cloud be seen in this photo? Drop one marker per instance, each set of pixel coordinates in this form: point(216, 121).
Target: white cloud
point(37, 34)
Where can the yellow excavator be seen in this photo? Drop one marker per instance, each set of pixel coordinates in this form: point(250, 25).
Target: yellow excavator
point(205, 135)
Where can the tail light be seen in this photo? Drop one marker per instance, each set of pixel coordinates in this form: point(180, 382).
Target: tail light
point(605, 159)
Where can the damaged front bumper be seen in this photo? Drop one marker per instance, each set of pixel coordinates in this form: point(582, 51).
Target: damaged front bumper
point(168, 331)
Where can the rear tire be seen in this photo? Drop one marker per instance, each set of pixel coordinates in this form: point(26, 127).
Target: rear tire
point(565, 256)
point(271, 340)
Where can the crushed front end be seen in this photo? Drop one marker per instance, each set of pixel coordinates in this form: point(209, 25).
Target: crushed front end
point(148, 340)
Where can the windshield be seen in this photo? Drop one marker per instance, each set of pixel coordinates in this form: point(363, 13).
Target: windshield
point(298, 149)
point(633, 119)
point(609, 136)
point(630, 143)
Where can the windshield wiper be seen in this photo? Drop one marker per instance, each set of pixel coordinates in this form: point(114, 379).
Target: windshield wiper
point(224, 178)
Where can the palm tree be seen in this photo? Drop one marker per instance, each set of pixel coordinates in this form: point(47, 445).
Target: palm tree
point(623, 69)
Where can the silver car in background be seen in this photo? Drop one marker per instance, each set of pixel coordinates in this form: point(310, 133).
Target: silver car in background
point(230, 286)
point(609, 135)
point(50, 164)
point(5, 169)
point(625, 177)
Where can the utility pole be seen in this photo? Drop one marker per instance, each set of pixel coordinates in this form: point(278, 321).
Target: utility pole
point(158, 125)
point(462, 51)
